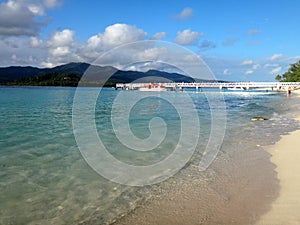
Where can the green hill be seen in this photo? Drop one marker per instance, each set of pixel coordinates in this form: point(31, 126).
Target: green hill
point(88, 75)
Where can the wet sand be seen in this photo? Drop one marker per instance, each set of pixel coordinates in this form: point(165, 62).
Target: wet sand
point(286, 156)
point(237, 189)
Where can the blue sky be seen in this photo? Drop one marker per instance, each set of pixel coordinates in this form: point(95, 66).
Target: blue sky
point(239, 40)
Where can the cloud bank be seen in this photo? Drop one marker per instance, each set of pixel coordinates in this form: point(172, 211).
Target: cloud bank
point(21, 17)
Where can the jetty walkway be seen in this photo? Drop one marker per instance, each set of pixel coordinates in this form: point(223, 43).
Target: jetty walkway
point(220, 85)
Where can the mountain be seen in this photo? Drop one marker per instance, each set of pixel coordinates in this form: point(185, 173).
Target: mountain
point(90, 75)
point(9, 74)
point(13, 73)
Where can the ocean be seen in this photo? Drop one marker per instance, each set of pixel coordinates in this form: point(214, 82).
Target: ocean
point(46, 148)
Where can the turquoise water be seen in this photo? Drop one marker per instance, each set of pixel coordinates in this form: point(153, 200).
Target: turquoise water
point(45, 180)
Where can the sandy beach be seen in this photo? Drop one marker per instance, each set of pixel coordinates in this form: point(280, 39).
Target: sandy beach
point(220, 200)
point(286, 156)
point(240, 188)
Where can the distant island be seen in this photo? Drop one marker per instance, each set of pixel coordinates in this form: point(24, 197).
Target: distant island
point(72, 73)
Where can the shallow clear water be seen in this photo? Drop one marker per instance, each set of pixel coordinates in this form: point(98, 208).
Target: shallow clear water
point(45, 180)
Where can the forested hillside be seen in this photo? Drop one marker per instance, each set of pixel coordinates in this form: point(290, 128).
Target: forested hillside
point(292, 75)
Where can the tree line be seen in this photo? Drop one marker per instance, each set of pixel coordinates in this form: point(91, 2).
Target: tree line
point(292, 75)
point(49, 79)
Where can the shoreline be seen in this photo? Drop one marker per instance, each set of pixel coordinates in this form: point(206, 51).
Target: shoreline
point(286, 156)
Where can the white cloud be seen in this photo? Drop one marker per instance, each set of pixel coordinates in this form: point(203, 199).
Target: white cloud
point(118, 34)
point(252, 32)
point(268, 65)
point(60, 51)
point(14, 57)
point(35, 42)
point(62, 48)
point(134, 55)
point(276, 70)
point(248, 72)
point(115, 35)
point(159, 36)
point(255, 66)
point(206, 45)
point(185, 14)
point(226, 72)
point(37, 10)
point(230, 41)
point(296, 58)
point(247, 62)
point(188, 37)
point(192, 59)
point(51, 3)
point(61, 38)
point(151, 53)
point(47, 64)
point(152, 65)
point(94, 41)
point(253, 43)
point(276, 57)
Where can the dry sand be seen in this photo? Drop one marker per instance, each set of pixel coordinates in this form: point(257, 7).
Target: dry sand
point(286, 156)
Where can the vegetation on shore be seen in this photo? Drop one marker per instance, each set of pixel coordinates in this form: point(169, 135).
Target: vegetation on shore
point(49, 79)
point(292, 75)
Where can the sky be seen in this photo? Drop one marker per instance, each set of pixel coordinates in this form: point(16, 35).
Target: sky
point(238, 40)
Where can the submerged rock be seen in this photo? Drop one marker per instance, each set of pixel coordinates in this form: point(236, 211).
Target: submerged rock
point(258, 118)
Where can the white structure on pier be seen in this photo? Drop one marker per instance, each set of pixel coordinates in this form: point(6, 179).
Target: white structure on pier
point(238, 85)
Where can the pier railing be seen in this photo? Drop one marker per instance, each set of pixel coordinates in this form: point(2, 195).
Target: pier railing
point(244, 85)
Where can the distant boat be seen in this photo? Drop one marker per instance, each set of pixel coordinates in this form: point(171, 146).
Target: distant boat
point(236, 89)
point(153, 87)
